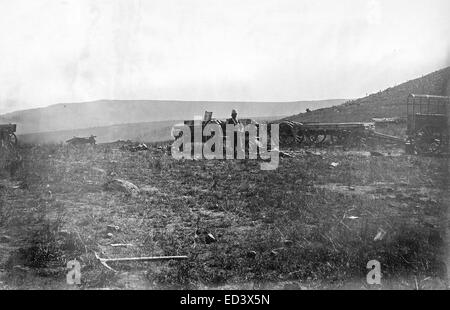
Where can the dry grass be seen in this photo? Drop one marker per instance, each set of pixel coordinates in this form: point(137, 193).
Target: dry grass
point(271, 227)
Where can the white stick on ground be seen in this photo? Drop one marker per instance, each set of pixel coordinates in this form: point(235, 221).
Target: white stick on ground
point(104, 261)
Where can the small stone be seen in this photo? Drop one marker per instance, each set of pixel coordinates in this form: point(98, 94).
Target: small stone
point(109, 235)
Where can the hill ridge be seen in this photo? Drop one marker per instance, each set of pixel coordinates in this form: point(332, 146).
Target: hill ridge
point(100, 113)
point(390, 102)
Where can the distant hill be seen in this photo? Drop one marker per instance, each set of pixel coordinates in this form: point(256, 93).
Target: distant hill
point(388, 103)
point(104, 113)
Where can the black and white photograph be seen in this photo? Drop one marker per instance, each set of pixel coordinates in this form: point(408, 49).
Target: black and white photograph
point(224, 145)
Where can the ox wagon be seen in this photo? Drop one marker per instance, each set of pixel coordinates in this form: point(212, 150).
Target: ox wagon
point(427, 124)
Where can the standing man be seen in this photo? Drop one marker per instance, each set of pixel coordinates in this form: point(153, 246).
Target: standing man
point(234, 121)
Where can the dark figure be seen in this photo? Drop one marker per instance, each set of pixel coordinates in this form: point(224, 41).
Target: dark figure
point(234, 121)
point(81, 141)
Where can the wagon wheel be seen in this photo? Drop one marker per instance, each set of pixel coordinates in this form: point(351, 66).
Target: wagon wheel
point(428, 140)
point(318, 137)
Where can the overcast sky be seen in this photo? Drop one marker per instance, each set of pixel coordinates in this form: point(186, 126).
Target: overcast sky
point(268, 50)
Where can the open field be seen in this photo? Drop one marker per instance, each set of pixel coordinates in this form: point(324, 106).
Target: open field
point(310, 224)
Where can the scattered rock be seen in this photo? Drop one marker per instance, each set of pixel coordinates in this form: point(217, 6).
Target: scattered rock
point(122, 186)
point(334, 165)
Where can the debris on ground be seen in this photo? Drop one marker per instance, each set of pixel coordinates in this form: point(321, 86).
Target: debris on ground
point(334, 165)
point(380, 235)
point(132, 147)
point(121, 244)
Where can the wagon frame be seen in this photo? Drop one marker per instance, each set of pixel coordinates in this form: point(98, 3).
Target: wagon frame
point(427, 124)
point(317, 133)
point(8, 139)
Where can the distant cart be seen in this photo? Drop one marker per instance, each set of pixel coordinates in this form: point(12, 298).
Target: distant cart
point(8, 138)
point(427, 124)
